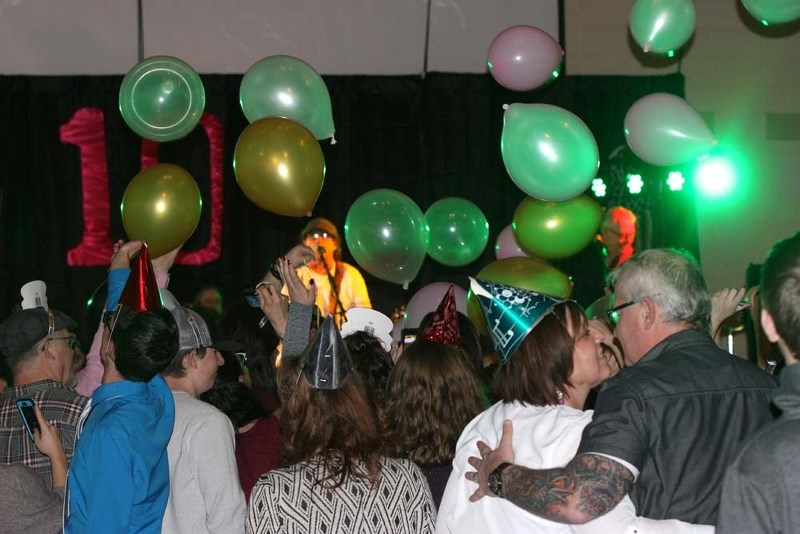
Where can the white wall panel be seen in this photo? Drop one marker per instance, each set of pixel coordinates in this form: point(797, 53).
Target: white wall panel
point(462, 30)
point(67, 36)
point(227, 36)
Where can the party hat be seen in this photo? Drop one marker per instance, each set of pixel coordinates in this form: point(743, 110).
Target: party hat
point(141, 290)
point(510, 312)
point(443, 327)
point(326, 361)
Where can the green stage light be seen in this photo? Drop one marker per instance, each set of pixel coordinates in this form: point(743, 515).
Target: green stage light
point(635, 183)
point(675, 181)
point(715, 176)
point(598, 187)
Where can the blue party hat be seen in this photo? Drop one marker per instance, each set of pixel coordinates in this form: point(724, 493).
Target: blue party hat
point(511, 313)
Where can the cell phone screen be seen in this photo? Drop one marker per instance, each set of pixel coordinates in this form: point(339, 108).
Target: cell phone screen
point(252, 300)
point(409, 335)
point(25, 407)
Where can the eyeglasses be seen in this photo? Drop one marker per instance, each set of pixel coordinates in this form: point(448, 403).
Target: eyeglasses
point(317, 235)
point(613, 313)
point(71, 340)
point(242, 357)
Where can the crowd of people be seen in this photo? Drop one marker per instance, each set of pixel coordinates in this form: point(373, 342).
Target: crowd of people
point(294, 413)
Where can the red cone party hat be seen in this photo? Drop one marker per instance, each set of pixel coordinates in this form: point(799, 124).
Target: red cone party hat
point(443, 327)
point(141, 290)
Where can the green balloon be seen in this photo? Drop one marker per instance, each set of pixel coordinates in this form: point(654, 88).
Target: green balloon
point(662, 26)
point(556, 229)
point(527, 273)
point(549, 152)
point(459, 231)
point(773, 11)
point(664, 129)
point(284, 86)
point(162, 98)
point(386, 233)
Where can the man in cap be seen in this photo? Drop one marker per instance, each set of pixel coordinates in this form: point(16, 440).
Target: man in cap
point(340, 285)
point(119, 477)
point(39, 350)
point(205, 492)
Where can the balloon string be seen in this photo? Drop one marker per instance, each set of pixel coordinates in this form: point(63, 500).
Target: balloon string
point(427, 40)
point(140, 30)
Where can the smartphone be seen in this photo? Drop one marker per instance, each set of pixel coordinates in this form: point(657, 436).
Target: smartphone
point(251, 299)
point(25, 407)
point(409, 335)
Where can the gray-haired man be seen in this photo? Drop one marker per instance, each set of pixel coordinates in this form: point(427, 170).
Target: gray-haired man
point(666, 427)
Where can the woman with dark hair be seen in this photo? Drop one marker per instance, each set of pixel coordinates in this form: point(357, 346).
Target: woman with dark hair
point(433, 392)
point(372, 362)
point(258, 440)
point(243, 324)
point(551, 359)
point(339, 480)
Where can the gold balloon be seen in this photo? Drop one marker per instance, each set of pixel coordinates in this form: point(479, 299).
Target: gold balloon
point(279, 166)
point(528, 273)
point(162, 206)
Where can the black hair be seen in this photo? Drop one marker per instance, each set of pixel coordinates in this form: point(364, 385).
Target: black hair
point(232, 397)
point(241, 324)
point(372, 362)
point(144, 343)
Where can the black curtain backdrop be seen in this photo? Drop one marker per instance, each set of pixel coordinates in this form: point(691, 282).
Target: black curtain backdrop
point(429, 137)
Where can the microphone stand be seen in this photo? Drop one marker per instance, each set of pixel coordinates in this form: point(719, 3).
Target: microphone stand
point(339, 309)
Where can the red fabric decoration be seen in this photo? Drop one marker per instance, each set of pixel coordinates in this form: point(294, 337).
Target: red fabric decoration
point(86, 130)
point(141, 290)
point(443, 327)
point(216, 146)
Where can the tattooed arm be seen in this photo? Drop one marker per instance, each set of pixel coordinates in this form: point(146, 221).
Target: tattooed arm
point(586, 488)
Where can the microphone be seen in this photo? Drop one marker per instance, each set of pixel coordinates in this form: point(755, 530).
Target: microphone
point(321, 249)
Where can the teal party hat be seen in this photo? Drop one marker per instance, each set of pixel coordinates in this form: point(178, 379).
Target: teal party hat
point(511, 313)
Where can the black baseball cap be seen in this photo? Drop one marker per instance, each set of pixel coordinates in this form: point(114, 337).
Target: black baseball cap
point(24, 329)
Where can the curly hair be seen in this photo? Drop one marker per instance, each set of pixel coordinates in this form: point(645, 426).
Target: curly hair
point(543, 362)
point(338, 426)
point(372, 362)
point(433, 392)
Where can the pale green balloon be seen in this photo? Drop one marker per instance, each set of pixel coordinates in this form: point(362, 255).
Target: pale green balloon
point(664, 129)
point(386, 233)
point(662, 26)
point(769, 12)
point(548, 151)
point(459, 231)
point(284, 86)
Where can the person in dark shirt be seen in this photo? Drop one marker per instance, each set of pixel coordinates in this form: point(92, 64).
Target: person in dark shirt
point(666, 427)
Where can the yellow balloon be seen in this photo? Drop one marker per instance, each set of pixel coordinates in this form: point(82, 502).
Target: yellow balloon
point(161, 206)
point(279, 166)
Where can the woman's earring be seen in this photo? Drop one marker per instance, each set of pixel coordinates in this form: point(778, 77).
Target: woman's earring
point(560, 396)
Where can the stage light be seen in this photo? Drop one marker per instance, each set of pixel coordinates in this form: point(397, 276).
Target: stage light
point(715, 176)
point(634, 183)
point(675, 181)
point(599, 187)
